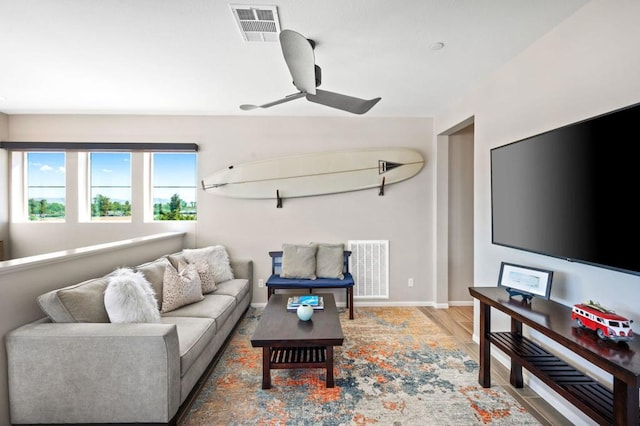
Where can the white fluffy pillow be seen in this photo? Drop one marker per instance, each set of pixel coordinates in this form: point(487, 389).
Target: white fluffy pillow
point(129, 297)
point(216, 257)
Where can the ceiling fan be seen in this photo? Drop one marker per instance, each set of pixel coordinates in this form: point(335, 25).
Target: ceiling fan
point(307, 76)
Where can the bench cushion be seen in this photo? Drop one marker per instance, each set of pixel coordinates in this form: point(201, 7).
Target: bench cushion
point(278, 282)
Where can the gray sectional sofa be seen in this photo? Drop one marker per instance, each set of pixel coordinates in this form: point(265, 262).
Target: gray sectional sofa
point(75, 366)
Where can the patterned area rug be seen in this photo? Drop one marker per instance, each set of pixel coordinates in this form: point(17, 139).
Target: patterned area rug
point(396, 367)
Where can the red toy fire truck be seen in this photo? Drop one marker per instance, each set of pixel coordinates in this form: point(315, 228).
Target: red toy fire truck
point(606, 323)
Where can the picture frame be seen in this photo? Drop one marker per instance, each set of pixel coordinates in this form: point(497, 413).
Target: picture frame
point(525, 281)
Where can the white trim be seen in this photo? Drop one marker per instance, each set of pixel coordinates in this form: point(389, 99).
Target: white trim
point(64, 255)
point(461, 303)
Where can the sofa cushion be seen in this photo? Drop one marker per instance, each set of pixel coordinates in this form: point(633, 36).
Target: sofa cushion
point(215, 306)
point(299, 261)
point(154, 273)
point(129, 298)
point(180, 287)
point(330, 260)
point(216, 257)
point(237, 288)
point(82, 302)
point(194, 334)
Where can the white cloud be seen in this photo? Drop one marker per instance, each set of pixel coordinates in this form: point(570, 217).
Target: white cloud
point(46, 168)
point(107, 170)
point(62, 169)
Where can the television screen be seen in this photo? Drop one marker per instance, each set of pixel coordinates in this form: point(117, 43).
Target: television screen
point(571, 192)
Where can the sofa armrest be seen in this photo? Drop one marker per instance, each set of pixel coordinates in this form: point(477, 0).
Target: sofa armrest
point(93, 372)
point(242, 268)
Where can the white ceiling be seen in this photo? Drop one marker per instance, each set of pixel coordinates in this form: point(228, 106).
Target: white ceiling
point(188, 57)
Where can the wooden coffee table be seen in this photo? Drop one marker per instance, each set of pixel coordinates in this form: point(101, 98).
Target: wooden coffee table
point(288, 342)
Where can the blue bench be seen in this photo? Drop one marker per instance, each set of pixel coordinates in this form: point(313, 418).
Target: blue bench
point(275, 282)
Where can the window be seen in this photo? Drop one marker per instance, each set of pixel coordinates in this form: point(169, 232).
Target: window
point(110, 186)
point(100, 182)
point(174, 186)
point(46, 186)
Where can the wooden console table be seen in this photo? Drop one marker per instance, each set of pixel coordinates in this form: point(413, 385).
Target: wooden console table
point(622, 360)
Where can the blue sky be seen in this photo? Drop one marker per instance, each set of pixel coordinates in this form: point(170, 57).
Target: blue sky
point(46, 169)
point(172, 171)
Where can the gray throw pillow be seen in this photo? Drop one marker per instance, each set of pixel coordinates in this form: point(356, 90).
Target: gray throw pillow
point(299, 261)
point(83, 302)
point(330, 260)
point(154, 273)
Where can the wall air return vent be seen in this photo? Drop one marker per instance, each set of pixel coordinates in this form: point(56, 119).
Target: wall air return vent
point(369, 265)
point(257, 23)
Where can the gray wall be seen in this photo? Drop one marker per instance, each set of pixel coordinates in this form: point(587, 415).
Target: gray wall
point(586, 66)
point(251, 228)
point(4, 184)
point(460, 232)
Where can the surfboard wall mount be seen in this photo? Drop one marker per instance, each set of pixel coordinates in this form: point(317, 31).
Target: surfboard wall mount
point(279, 198)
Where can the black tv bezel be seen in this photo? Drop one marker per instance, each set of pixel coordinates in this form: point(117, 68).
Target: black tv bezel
point(568, 259)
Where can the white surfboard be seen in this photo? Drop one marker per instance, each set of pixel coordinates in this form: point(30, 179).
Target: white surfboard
point(315, 174)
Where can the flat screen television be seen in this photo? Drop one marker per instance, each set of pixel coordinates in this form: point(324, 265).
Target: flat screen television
point(572, 192)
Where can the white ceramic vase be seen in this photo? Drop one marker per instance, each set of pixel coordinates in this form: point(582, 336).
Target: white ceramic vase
point(305, 312)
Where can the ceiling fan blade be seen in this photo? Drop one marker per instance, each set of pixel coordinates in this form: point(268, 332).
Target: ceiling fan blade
point(298, 54)
point(343, 102)
point(249, 107)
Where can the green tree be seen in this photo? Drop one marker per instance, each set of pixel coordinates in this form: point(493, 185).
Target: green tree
point(55, 210)
point(174, 206)
point(157, 211)
point(43, 207)
point(173, 210)
point(34, 207)
point(101, 206)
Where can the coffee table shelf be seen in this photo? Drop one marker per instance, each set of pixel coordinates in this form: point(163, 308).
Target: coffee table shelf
point(305, 357)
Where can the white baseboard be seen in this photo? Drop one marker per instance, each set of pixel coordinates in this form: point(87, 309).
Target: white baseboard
point(461, 303)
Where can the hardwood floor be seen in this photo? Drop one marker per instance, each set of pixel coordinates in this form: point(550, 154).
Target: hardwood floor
point(458, 321)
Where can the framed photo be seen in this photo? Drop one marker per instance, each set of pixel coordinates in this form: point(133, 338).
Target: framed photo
point(524, 280)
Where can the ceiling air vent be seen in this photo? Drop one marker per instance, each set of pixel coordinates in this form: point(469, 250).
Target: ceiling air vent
point(257, 23)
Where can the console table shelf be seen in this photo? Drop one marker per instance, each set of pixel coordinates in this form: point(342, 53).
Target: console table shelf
point(573, 385)
point(607, 407)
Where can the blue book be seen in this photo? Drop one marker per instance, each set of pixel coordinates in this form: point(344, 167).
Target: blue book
point(312, 300)
point(308, 300)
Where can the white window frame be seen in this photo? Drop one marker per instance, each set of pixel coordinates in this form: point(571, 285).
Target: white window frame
point(78, 180)
point(89, 188)
point(150, 208)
